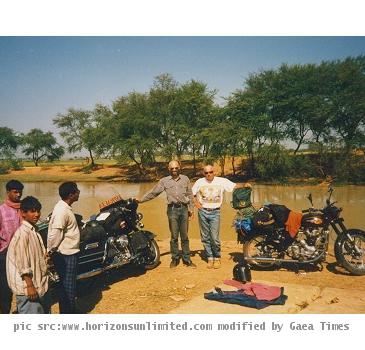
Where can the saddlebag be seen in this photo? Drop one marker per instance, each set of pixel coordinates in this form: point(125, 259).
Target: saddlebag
point(92, 232)
point(241, 198)
point(139, 241)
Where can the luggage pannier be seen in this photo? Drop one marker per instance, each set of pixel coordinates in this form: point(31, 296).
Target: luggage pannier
point(263, 218)
point(92, 232)
point(241, 198)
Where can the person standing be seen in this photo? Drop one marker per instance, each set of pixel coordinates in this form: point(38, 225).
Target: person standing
point(26, 265)
point(179, 209)
point(10, 220)
point(208, 197)
point(63, 245)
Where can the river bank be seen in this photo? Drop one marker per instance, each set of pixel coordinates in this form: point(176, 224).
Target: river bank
point(118, 173)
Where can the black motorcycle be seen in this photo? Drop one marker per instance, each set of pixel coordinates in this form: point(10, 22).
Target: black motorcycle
point(112, 238)
point(270, 246)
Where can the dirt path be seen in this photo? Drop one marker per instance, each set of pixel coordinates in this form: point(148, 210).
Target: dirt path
point(161, 290)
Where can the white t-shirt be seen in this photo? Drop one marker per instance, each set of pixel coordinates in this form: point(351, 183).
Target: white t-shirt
point(210, 194)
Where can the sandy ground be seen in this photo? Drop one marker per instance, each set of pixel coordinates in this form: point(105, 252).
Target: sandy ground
point(130, 290)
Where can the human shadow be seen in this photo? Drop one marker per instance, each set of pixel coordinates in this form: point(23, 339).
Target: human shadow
point(200, 253)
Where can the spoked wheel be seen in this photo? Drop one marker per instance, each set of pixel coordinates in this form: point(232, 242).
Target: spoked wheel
point(258, 247)
point(350, 251)
point(153, 255)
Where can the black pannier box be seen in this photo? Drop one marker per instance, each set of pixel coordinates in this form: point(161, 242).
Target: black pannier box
point(92, 232)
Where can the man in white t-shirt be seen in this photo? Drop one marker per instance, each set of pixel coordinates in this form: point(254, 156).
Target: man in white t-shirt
point(208, 194)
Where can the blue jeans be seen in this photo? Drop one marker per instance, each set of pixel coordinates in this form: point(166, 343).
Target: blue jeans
point(209, 222)
point(179, 224)
point(40, 306)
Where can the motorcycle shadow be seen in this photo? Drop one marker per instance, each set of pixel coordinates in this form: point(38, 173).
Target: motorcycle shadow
point(90, 291)
point(333, 267)
point(237, 257)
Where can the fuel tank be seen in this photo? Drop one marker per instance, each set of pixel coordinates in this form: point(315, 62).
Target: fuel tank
point(312, 219)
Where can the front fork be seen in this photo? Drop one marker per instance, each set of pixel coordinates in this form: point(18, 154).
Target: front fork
point(342, 229)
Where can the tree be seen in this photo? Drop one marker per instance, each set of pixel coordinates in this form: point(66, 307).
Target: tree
point(194, 111)
point(162, 108)
point(39, 144)
point(132, 133)
point(346, 95)
point(79, 130)
point(9, 142)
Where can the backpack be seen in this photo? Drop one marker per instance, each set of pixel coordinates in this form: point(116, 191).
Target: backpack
point(241, 198)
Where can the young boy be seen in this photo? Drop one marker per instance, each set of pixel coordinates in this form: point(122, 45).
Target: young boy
point(26, 265)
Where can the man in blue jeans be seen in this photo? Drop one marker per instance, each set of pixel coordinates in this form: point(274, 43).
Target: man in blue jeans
point(208, 197)
point(179, 209)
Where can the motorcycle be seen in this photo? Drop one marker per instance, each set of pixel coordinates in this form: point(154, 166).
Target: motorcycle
point(110, 239)
point(269, 247)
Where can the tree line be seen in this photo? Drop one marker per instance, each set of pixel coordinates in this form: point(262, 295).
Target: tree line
point(296, 120)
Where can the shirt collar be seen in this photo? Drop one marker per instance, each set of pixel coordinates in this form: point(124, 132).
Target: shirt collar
point(171, 178)
point(28, 225)
point(65, 204)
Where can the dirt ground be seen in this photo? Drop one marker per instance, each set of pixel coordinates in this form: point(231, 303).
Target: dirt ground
point(130, 290)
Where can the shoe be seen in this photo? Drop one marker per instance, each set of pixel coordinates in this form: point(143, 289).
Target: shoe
point(210, 263)
point(217, 263)
point(189, 264)
point(174, 263)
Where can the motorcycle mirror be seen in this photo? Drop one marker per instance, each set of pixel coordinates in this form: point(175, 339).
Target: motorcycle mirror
point(330, 190)
point(310, 198)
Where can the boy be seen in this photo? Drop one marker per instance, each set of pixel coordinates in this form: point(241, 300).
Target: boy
point(26, 265)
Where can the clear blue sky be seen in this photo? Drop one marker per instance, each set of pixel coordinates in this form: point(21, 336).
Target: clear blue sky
point(43, 76)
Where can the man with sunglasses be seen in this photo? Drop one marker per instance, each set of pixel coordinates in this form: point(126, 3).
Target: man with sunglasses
point(179, 209)
point(208, 197)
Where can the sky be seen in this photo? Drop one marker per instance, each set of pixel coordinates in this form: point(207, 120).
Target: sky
point(43, 76)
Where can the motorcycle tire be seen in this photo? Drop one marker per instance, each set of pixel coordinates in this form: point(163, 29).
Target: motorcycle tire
point(256, 244)
point(154, 259)
point(347, 256)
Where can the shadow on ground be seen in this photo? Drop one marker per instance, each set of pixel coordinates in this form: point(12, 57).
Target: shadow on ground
point(89, 291)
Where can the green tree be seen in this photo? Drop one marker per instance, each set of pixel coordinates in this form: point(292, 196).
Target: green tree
point(39, 144)
point(194, 110)
point(132, 133)
point(79, 130)
point(346, 95)
point(9, 142)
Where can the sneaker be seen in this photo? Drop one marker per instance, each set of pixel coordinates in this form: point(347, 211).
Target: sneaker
point(174, 263)
point(217, 263)
point(189, 264)
point(210, 263)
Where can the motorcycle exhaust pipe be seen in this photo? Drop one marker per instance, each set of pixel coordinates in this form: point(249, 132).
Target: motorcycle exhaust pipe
point(99, 271)
point(262, 259)
point(90, 274)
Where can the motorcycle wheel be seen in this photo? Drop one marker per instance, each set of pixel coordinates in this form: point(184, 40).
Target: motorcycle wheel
point(257, 247)
point(153, 255)
point(350, 254)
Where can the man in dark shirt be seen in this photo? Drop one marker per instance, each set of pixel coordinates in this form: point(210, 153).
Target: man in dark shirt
point(179, 209)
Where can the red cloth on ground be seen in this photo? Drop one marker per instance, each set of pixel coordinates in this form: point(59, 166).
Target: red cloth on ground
point(259, 290)
point(293, 223)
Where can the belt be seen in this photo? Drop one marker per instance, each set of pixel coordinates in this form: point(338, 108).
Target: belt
point(211, 209)
point(177, 205)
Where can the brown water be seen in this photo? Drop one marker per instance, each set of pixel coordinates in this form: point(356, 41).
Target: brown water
point(350, 198)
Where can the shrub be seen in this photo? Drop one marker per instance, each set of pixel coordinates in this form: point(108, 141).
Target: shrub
point(273, 162)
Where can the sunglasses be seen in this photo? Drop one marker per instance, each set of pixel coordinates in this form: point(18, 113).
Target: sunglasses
point(208, 172)
point(177, 168)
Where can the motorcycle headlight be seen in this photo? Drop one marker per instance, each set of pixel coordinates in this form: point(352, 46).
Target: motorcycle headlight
point(139, 216)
